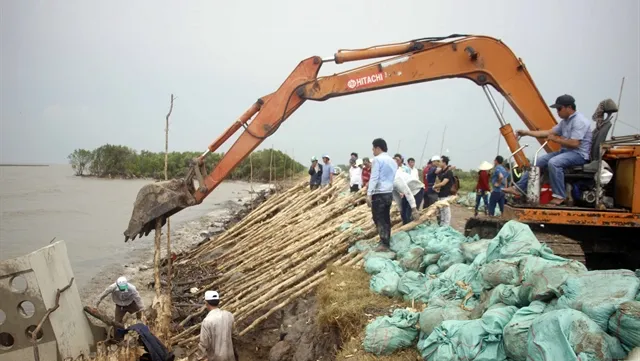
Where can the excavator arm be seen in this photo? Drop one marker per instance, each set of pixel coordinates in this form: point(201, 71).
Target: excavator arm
point(483, 60)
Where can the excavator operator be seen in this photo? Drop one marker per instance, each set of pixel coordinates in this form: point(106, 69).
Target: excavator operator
point(573, 134)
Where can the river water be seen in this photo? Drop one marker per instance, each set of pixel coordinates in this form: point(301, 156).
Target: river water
point(90, 215)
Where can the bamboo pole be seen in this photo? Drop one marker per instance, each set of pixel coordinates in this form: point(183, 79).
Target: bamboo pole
point(166, 177)
point(278, 253)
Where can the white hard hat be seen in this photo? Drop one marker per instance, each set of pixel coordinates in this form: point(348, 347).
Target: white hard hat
point(358, 162)
point(313, 159)
point(326, 156)
point(122, 283)
point(211, 296)
point(436, 158)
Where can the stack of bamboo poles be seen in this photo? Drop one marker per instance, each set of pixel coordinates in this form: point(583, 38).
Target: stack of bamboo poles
point(279, 252)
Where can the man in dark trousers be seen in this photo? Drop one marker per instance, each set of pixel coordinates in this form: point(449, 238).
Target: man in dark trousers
point(380, 191)
point(315, 173)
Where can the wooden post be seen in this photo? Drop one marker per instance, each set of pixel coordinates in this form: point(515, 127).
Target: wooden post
point(442, 144)
point(166, 177)
point(423, 149)
point(613, 128)
point(270, 163)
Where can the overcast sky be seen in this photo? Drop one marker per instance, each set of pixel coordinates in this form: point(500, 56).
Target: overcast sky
point(78, 74)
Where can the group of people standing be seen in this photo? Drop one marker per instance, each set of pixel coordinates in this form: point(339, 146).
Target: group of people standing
point(389, 179)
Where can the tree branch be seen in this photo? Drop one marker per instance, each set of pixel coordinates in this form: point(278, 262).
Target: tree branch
point(34, 333)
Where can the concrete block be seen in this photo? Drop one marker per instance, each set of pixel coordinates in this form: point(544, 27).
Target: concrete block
point(28, 286)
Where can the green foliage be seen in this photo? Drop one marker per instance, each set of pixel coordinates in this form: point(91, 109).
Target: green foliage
point(117, 161)
point(79, 160)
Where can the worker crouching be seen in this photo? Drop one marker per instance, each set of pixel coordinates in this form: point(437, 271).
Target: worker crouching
point(216, 343)
point(125, 296)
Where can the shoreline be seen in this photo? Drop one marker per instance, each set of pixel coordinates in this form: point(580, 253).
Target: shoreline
point(138, 267)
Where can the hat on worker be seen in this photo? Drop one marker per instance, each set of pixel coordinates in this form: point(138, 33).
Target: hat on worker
point(211, 296)
point(314, 159)
point(122, 283)
point(326, 156)
point(436, 158)
point(485, 166)
point(563, 101)
point(358, 162)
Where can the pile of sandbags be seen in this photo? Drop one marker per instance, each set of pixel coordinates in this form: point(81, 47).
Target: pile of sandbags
point(507, 298)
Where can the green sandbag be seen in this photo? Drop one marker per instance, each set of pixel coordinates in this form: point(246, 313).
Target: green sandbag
point(508, 295)
point(374, 265)
point(625, 325)
point(599, 293)
point(441, 310)
point(570, 335)
point(385, 283)
point(411, 259)
point(436, 239)
point(501, 271)
point(387, 334)
point(430, 258)
point(415, 286)
point(542, 279)
point(516, 239)
point(432, 270)
point(450, 257)
point(471, 250)
point(517, 330)
point(478, 340)
point(400, 242)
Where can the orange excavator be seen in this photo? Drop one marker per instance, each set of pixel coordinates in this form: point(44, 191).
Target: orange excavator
point(486, 61)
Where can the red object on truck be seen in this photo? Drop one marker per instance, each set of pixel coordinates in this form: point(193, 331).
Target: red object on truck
point(545, 193)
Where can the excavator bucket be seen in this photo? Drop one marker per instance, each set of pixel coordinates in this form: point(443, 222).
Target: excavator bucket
point(158, 201)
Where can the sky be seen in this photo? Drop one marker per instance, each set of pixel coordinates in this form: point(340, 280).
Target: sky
point(79, 74)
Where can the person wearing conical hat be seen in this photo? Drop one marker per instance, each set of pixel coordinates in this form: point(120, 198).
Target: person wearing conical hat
point(482, 187)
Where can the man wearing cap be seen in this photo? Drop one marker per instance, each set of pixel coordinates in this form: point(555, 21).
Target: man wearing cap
point(355, 175)
point(327, 172)
point(315, 172)
point(216, 331)
point(573, 133)
point(126, 298)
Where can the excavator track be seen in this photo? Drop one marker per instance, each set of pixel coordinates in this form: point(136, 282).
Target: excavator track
point(596, 247)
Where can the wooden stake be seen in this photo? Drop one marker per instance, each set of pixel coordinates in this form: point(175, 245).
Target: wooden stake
point(613, 128)
point(166, 177)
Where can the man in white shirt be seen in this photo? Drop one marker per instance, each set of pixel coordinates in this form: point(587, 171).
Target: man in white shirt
point(412, 166)
point(408, 194)
point(126, 298)
point(355, 176)
point(216, 331)
point(380, 191)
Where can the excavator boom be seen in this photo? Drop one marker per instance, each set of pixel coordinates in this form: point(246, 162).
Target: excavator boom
point(484, 60)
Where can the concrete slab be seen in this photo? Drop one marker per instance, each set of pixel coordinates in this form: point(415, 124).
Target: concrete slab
point(28, 286)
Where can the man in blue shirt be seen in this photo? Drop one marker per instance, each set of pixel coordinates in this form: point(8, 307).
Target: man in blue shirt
point(380, 190)
point(573, 133)
point(499, 180)
point(326, 179)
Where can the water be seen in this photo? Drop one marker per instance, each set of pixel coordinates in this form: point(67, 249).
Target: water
point(90, 215)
